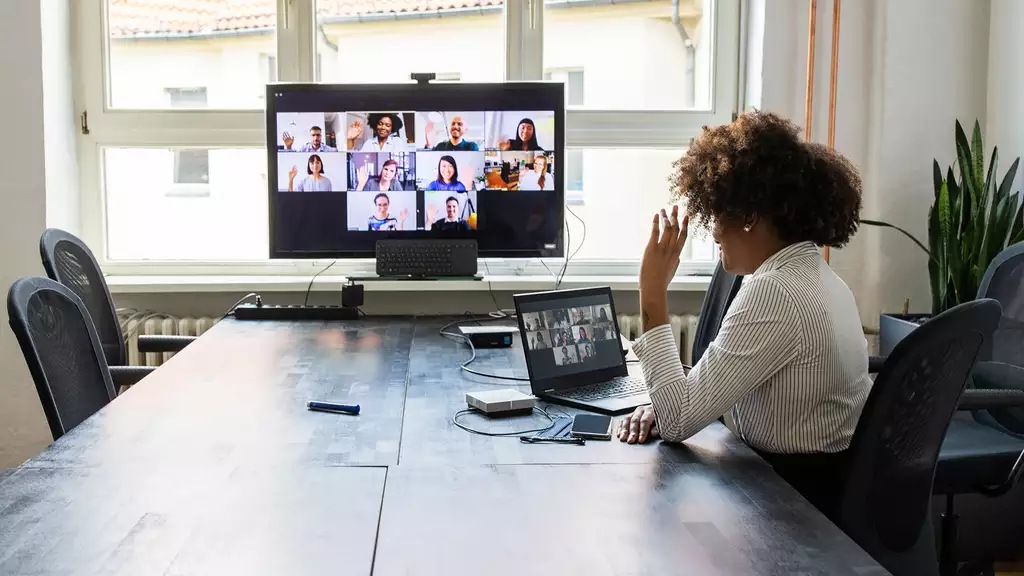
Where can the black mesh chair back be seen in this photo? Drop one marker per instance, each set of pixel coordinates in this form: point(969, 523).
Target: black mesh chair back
point(1004, 281)
point(721, 291)
point(69, 261)
point(62, 351)
point(886, 501)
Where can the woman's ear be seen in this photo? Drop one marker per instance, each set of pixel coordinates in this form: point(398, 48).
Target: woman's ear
point(749, 222)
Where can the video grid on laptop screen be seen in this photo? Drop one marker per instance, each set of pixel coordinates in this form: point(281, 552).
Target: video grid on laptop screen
point(570, 336)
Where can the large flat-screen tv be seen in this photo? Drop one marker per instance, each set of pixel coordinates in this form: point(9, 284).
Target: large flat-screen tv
point(353, 163)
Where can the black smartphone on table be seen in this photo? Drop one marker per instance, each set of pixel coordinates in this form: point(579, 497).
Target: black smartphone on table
point(593, 426)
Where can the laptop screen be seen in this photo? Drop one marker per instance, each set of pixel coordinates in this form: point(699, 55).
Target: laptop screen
point(569, 332)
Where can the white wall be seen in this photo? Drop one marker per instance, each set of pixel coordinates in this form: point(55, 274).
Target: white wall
point(1005, 126)
point(23, 430)
point(60, 123)
point(908, 70)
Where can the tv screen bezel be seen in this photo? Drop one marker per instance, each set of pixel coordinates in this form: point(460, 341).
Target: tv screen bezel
point(487, 91)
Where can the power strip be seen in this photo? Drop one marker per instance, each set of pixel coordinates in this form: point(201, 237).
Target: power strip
point(294, 312)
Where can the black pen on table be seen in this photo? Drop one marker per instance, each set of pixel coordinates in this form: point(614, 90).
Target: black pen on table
point(333, 407)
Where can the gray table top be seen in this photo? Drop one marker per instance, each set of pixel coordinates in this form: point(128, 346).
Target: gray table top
point(213, 465)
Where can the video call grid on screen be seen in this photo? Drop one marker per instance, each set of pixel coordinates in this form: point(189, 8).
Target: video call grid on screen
point(570, 335)
point(453, 158)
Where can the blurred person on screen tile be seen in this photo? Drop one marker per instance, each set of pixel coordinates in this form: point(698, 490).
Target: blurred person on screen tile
point(385, 137)
point(316, 143)
point(315, 181)
point(526, 138)
point(382, 219)
point(385, 181)
point(451, 220)
point(447, 176)
point(456, 130)
point(537, 178)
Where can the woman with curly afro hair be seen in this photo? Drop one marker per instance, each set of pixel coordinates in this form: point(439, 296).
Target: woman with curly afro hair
point(789, 366)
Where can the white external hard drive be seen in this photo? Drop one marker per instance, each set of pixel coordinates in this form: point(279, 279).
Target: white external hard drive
point(504, 402)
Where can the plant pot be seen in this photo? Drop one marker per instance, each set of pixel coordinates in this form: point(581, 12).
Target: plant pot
point(892, 328)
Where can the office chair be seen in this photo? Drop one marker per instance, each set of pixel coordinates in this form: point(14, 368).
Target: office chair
point(886, 500)
point(721, 291)
point(69, 261)
point(62, 350)
point(1001, 364)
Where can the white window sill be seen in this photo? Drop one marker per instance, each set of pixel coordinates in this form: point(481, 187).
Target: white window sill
point(240, 284)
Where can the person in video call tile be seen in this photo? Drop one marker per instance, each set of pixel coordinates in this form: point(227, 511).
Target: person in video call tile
point(583, 339)
point(382, 219)
point(580, 316)
point(451, 220)
point(384, 139)
point(456, 130)
point(566, 359)
point(588, 352)
point(602, 315)
point(537, 178)
point(526, 138)
point(316, 143)
point(315, 181)
point(539, 343)
point(383, 182)
point(447, 176)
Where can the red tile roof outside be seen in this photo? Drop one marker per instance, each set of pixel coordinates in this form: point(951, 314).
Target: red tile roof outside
point(155, 18)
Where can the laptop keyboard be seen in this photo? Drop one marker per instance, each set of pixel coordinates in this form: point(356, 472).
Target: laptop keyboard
point(621, 387)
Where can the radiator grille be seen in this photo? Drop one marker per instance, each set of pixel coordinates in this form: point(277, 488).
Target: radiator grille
point(684, 327)
point(160, 324)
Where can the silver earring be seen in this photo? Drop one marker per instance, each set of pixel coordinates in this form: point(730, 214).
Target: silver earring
point(746, 228)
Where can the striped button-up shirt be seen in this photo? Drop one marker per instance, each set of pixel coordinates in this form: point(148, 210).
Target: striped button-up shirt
point(789, 364)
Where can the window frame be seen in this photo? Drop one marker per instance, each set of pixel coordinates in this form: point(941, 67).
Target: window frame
point(296, 56)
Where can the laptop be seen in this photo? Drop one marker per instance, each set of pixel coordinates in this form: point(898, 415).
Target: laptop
point(573, 352)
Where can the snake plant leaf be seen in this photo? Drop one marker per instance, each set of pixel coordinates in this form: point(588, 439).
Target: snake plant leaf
point(938, 273)
point(943, 212)
point(1017, 228)
point(996, 231)
point(936, 177)
point(956, 202)
point(992, 202)
point(964, 161)
point(1007, 183)
point(977, 154)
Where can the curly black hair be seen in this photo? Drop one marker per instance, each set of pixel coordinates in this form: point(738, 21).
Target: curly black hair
point(757, 165)
point(373, 119)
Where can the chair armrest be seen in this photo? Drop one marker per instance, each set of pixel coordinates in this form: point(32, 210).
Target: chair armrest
point(161, 343)
point(875, 364)
point(129, 375)
point(998, 376)
point(978, 399)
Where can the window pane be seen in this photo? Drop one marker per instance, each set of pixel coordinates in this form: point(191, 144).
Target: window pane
point(192, 53)
point(651, 55)
point(618, 211)
point(186, 204)
point(386, 41)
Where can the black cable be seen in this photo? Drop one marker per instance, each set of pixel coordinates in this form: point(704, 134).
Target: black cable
point(463, 338)
point(235, 305)
point(568, 256)
point(305, 300)
point(490, 289)
point(565, 264)
point(536, 410)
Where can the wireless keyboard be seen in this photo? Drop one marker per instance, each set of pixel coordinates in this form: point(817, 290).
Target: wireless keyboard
point(426, 258)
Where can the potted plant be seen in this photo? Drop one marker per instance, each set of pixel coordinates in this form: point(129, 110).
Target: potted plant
point(970, 221)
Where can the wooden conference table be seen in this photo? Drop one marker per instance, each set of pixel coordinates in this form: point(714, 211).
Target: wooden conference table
point(213, 465)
